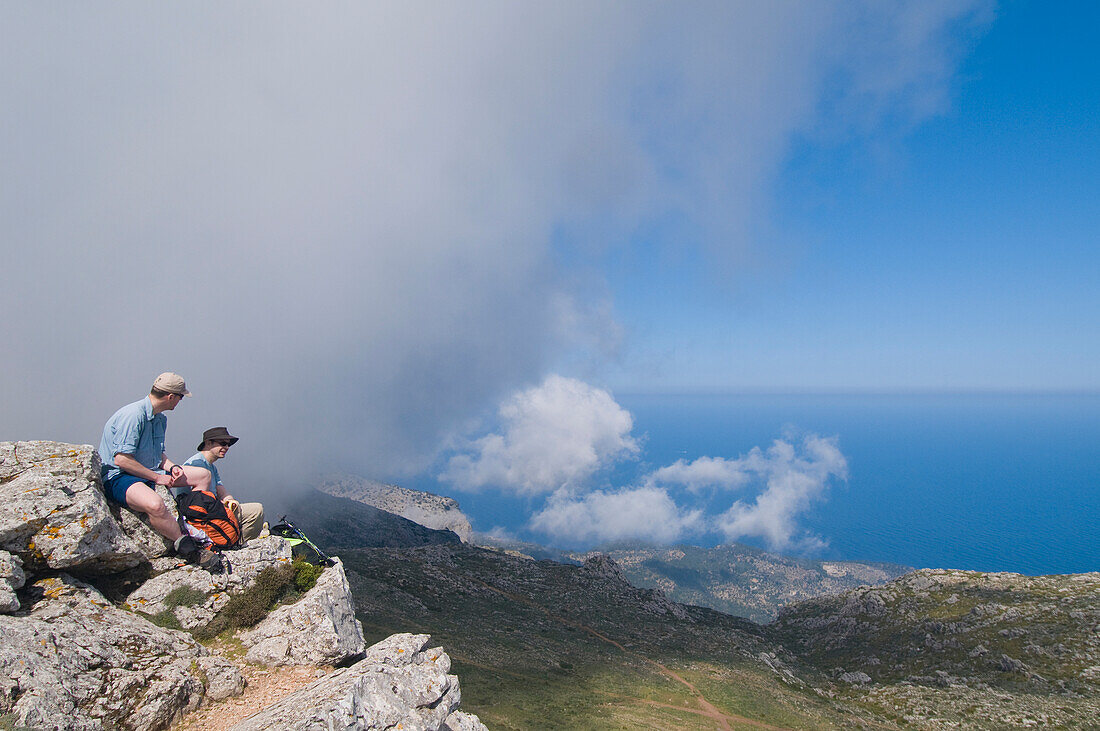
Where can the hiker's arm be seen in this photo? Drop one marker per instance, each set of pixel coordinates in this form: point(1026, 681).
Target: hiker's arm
point(198, 478)
point(168, 466)
point(128, 464)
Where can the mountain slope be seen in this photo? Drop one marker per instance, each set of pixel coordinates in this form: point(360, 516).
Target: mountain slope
point(741, 580)
point(947, 647)
point(425, 508)
point(336, 523)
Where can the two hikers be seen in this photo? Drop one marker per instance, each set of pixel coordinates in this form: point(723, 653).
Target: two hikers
point(134, 463)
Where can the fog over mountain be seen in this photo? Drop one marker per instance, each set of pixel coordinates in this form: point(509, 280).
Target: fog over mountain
point(354, 228)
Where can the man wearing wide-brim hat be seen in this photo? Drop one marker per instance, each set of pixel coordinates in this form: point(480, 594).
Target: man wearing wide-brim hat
point(201, 474)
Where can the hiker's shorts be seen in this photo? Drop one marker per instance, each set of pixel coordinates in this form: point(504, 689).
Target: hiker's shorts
point(117, 486)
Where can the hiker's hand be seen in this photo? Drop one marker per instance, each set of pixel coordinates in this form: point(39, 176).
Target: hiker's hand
point(177, 475)
point(232, 504)
point(165, 480)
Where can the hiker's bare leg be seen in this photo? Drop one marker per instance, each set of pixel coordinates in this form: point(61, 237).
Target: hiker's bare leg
point(144, 499)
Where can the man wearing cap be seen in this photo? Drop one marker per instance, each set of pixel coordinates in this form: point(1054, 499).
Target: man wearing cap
point(134, 462)
point(201, 474)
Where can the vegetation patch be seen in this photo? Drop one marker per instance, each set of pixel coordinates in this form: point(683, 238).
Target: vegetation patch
point(8, 723)
point(184, 596)
point(248, 608)
point(166, 619)
point(305, 574)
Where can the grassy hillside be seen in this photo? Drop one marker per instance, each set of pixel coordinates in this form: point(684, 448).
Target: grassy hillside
point(539, 644)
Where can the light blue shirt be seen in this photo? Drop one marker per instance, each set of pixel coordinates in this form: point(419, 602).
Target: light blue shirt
point(199, 461)
point(136, 431)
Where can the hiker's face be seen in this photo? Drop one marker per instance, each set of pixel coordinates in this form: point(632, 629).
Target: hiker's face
point(219, 447)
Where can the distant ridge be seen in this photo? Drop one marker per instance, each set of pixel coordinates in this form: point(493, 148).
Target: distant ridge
point(336, 523)
point(425, 508)
point(742, 580)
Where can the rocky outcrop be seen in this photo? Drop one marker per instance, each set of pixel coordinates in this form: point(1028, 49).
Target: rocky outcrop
point(400, 683)
point(161, 593)
point(74, 661)
point(425, 508)
point(55, 515)
point(318, 629)
point(71, 658)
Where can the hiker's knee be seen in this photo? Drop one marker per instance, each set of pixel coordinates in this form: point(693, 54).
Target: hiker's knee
point(144, 499)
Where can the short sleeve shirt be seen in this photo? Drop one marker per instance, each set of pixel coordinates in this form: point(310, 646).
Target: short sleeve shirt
point(136, 431)
point(199, 461)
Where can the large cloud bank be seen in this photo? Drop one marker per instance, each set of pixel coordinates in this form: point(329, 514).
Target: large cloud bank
point(559, 436)
point(340, 222)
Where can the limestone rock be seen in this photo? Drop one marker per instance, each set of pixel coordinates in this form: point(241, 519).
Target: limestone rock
point(76, 662)
point(244, 565)
point(11, 578)
point(55, 515)
point(318, 629)
point(856, 678)
point(398, 684)
point(221, 679)
point(462, 721)
point(425, 508)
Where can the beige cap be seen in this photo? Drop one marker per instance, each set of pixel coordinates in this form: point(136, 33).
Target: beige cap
point(171, 383)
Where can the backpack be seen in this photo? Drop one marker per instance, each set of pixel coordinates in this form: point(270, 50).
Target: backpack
point(300, 544)
point(205, 511)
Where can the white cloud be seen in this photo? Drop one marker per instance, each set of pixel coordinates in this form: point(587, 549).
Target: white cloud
point(794, 479)
point(702, 473)
point(557, 434)
point(338, 222)
point(639, 514)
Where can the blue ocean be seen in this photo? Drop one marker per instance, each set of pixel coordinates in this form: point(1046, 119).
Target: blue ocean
point(988, 482)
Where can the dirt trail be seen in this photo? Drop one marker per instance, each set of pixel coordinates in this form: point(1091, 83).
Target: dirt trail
point(706, 708)
point(265, 686)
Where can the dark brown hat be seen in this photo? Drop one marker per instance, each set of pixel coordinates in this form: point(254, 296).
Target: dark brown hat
point(216, 433)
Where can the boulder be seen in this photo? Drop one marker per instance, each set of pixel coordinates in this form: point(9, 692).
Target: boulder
point(462, 721)
point(318, 629)
point(74, 661)
point(398, 684)
point(11, 578)
point(177, 589)
point(55, 515)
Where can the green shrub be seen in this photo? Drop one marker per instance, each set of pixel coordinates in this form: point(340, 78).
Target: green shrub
point(166, 619)
point(246, 609)
point(305, 574)
point(184, 596)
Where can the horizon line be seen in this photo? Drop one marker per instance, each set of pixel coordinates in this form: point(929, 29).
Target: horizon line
point(856, 391)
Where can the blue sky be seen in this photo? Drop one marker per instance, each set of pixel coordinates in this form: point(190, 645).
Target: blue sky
point(955, 252)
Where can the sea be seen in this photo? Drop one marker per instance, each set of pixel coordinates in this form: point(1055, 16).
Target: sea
point(978, 481)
